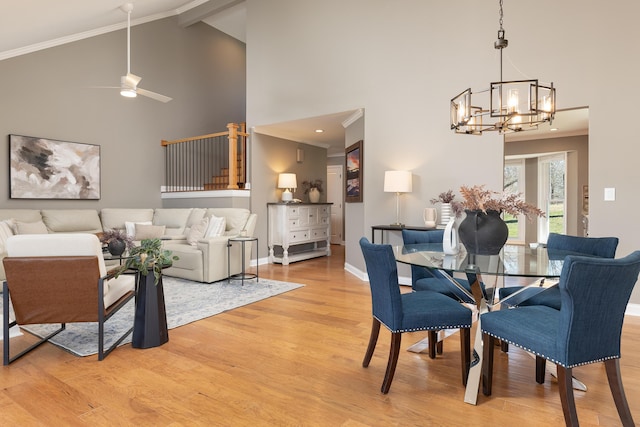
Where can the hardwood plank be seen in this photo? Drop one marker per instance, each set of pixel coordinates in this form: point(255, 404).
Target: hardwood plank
point(295, 359)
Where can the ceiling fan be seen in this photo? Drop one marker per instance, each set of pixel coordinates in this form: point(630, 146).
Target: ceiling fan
point(129, 83)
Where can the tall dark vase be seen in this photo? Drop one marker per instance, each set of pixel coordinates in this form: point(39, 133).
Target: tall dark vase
point(150, 324)
point(116, 247)
point(483, 233)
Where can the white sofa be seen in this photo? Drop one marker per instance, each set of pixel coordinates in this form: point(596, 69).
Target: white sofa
point(206, 261)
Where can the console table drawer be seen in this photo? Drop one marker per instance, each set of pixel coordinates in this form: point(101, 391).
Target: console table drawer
point(298, 236)
point(317, 233)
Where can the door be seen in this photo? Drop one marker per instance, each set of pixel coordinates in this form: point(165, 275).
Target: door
point(552, 171)
point(335, 186)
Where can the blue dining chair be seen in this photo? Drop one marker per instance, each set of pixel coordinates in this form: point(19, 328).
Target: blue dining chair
point(408, 312)
point(424, 279)
point(558, 245)
point(594, 293)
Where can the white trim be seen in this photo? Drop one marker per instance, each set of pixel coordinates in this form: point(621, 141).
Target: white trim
point(206, 194)
point(356, 272)
point(632, 310)
point(352, 118)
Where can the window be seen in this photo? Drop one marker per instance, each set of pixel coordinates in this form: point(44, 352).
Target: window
point(514, 183)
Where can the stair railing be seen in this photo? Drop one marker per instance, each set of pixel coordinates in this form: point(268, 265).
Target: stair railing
point(215, 161)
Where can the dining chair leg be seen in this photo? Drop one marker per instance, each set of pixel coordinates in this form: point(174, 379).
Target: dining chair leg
point(439, 345)
point(433, 341)
point(504, 346)
point(465, 353)
point(565, 386)
point(612, 367)
point(396, 338)
point(541, 365)
point(373, 340)
point(487, 363)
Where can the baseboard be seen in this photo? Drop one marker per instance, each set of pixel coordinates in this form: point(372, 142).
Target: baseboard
point(362, 275)
point(632, 310)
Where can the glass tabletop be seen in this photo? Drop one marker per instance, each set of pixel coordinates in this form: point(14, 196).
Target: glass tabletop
point(513, 260)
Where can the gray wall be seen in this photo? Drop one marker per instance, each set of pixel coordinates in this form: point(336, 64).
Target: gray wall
point(51, 94)
point(389, 58)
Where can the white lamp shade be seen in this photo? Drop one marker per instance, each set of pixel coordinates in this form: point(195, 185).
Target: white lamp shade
point(287, 180)
point(398, 182)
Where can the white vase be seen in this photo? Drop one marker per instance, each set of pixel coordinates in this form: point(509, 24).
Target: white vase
point(450, 242)
point(314, 195)
point(445, 213)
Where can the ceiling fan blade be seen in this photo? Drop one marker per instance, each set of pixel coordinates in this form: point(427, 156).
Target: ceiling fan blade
point(131, 80)
point(153, 95)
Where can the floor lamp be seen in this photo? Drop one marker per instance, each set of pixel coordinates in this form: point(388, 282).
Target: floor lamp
point(397, 182)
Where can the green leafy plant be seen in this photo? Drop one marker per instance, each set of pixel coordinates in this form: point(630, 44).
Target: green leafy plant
point(149, 256)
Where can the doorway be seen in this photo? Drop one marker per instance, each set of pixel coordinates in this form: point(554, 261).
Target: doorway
point(335, 185)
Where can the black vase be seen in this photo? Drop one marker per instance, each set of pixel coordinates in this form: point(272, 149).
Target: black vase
point(116, 247)
point(150, 323)
point(483, 233)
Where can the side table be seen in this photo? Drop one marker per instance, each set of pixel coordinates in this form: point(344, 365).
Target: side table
point(242, 275)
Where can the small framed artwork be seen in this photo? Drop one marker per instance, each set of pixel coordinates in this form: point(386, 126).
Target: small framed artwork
point(42, 168)
point(353, 158)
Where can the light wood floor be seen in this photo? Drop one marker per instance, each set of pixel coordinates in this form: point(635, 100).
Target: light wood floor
point(294, 360)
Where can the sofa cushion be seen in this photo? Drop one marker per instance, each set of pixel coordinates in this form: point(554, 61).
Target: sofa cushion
point(25, 215)
point(236, 218)
point(130, 228)
point(37, 227)
point(217, 226)
point(174, 219)
point(72, 220)
point(6, 231)
point(198, 231)
point(115, 217)
point(144, 231)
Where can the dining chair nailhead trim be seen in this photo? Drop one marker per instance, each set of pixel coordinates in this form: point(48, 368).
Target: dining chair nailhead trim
point(602, 359)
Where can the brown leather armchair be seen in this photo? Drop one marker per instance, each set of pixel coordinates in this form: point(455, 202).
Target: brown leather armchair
point(61, 278)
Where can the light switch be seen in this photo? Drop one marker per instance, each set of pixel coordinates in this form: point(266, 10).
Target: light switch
point(609, 194)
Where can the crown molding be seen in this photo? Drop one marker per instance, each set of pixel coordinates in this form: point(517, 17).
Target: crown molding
point(352, 118)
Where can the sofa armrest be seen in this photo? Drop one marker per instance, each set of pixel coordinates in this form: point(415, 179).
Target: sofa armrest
point(214, 257)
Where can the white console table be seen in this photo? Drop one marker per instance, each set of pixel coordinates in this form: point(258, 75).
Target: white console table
point(292, 225)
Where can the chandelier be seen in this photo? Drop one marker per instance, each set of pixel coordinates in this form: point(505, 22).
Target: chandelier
point(513, 106)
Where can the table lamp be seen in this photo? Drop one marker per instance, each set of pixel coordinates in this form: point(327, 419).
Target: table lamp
point(397, 182)
point(287, 181)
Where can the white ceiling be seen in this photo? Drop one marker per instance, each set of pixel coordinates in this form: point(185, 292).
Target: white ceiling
point(31, 25)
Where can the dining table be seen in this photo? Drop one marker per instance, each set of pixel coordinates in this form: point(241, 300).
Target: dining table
point(537, 266)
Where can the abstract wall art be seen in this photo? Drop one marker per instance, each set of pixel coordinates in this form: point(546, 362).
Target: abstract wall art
point(42, 168)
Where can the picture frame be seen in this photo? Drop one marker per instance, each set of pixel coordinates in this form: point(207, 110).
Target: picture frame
point(43, 168)
point(354, 176)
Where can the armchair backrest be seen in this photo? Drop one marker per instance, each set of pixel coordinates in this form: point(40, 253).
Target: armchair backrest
point(58, 244)
point(53, 278)
point(604, 247)
point(594, 294)
point(383, 280)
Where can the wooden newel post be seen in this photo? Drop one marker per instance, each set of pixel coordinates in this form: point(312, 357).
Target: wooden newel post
point(233, 156)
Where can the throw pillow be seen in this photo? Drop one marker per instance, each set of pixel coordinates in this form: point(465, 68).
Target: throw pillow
point(197, 231)
point(31, 228)
point(216, 226)
point(6, 231)
point(144, 231)
point(130, 227)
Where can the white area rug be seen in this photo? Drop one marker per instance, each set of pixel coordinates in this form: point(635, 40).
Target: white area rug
point(185, 302)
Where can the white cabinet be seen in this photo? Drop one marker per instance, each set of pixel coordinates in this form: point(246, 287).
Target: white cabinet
point(295, 229)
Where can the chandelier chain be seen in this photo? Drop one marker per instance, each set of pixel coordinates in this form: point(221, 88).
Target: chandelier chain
point(501, 16)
